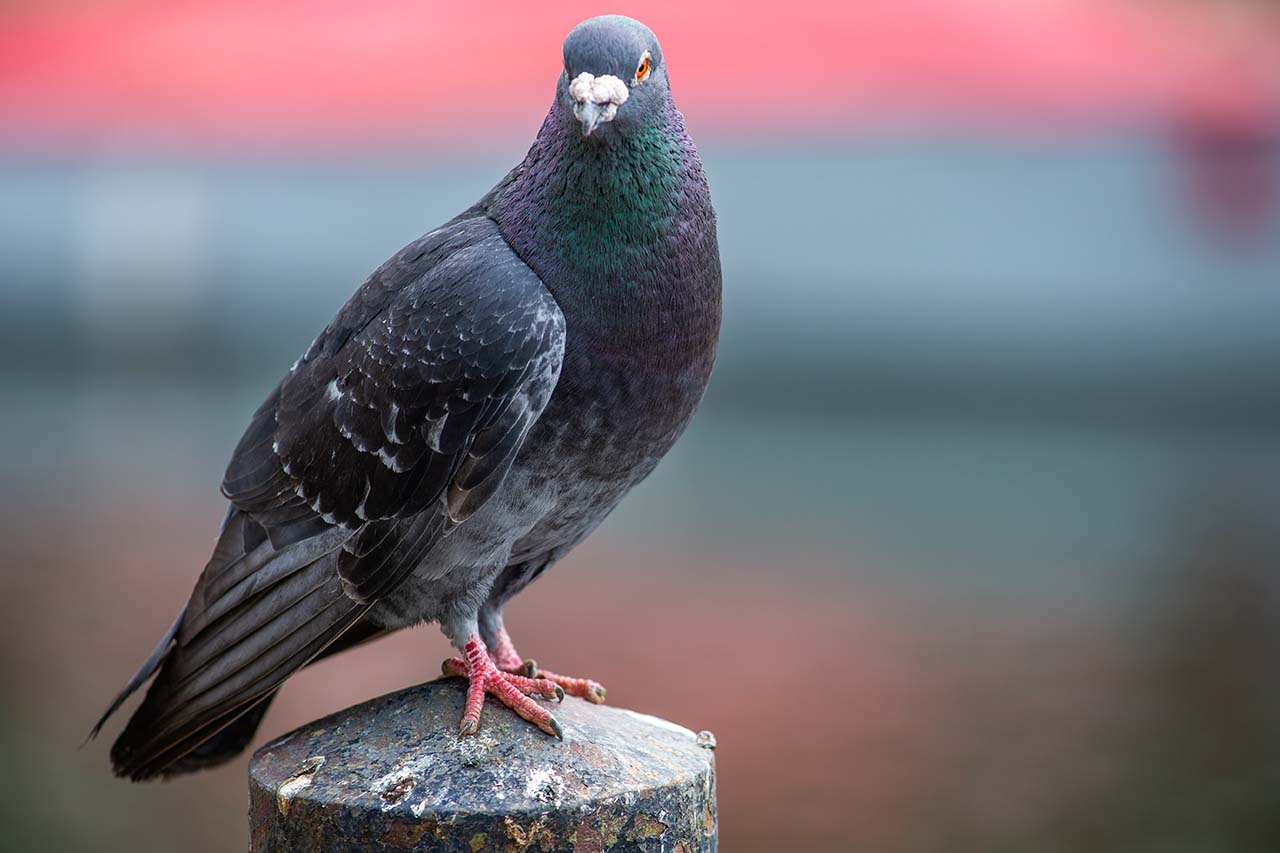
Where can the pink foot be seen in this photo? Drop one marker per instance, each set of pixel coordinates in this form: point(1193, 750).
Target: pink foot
point(506, 658)
point(510, 689)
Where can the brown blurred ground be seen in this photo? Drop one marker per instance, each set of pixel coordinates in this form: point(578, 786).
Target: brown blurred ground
point(852, 714)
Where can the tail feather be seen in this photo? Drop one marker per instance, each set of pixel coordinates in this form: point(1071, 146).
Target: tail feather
point(236, 736)
point(264, 607)
point(198, 694)
point(148, 669)
point(225, 737)
point(226, 744)
point(260, 622)
point(244, 568)
point(259, 612)
point(162, 759)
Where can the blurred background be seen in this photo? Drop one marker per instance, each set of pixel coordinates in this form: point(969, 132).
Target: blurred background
point(995, 425)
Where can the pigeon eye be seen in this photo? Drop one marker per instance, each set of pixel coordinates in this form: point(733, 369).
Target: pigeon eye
point(646, 65)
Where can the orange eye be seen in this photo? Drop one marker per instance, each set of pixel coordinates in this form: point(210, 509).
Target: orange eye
point(646, 65)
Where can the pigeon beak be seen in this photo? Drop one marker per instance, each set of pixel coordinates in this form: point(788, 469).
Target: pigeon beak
point(593, 115)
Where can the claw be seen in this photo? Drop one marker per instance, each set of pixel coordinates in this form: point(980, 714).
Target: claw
point(511, 689)
point(508, 660)
point(583, 688)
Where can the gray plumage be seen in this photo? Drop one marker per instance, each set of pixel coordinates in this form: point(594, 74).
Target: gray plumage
point(475, 410)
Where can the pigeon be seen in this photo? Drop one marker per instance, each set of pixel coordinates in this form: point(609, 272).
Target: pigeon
point(483, 401)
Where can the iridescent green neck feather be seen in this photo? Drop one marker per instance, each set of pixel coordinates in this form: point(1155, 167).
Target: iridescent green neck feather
point(603, 217)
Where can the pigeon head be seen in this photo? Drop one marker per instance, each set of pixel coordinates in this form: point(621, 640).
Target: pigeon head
point(614, 79)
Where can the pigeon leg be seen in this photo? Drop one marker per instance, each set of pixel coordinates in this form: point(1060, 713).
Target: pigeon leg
point(504, 654)
point(510, 689)
point(507, 659)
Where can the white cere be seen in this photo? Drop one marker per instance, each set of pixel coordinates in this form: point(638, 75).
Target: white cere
point(606, 90)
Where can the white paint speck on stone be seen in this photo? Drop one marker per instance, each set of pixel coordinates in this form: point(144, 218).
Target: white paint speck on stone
point(294, 785)
point(297, 782)
point(404, 774)
point(545, 785)
point(661, 723)
point(473, 749)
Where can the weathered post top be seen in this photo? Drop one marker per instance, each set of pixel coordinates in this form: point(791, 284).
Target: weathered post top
point(392, 774)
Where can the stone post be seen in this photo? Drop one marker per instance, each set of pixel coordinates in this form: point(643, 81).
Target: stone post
point(392, 774)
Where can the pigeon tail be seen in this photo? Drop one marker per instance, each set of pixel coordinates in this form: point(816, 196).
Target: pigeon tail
point(148, 669)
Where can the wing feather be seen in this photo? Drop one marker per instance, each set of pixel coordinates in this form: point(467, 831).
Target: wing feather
point(399, 422)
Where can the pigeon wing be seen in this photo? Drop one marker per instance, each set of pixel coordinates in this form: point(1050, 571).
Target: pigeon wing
point(405, 414)
point(401, 419)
